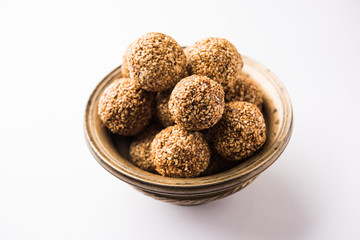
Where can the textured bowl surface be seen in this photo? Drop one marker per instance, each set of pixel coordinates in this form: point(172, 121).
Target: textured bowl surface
point(112, 151)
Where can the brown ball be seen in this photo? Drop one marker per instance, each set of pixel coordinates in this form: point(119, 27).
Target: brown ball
point(240, 132)
point(139, 150)
point(243, 88)
point(125, 108)
point(125, 65)
point(162, 109)
point(157, 62)
point(177, 152)
point(215, 58)
point(197, 102)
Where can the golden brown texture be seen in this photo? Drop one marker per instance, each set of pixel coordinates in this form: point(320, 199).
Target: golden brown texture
point(215, 58)
point(162, 109)
point(139, 150)
point(125, 108)
point(177, 152)
point(157, 62)
point(243, 88)
point(240, 132)
point(197, 102)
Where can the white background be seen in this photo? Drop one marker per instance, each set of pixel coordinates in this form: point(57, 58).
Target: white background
point(52, 55)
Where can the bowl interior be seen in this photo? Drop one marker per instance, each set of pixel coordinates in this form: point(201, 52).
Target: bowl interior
point(113, 150)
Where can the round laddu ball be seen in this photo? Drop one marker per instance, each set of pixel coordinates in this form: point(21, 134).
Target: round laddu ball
point(157, 62)
point(162, 112)
point(125, 108)
point(215, 58)
point(177, 152)
point(240, 132)
point(139, 150)
point(197, 102)
point(243, 88)
point(125, 65)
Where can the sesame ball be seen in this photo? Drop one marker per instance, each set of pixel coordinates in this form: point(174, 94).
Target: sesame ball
point(177, 152)
point(125, 108)
point(197, 102)
point(240, 132)
point(215, 58)
point(125, 65)
point(140, 149)
point(243, 88)
point(162, 112)
point(157, 62)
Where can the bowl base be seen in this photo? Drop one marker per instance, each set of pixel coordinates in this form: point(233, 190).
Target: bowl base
point(192, 201)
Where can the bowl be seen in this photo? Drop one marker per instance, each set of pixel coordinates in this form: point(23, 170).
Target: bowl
point(112, 151)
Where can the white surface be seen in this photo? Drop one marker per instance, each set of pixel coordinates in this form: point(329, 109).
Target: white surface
point(52, 55)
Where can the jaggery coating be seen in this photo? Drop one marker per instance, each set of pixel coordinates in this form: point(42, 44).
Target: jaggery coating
point(243, 88)
point(215, 58)
point(162, 112)
point(125, 108)
point(125, 65)
point(197, 102)
point(139, 150)
point(177, 152)
point(240, 132)
point(157, 62)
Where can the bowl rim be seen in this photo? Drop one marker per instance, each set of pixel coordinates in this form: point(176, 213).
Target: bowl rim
point(140, 178)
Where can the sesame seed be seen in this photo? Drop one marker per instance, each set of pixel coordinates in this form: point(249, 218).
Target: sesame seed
point(189, 155)
point(124, 108)
point(156, 68)
point(237, 139)
point(215, 58)
point(194, 109)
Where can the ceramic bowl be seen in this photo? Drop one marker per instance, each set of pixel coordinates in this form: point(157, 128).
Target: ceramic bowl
point(112, 151)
